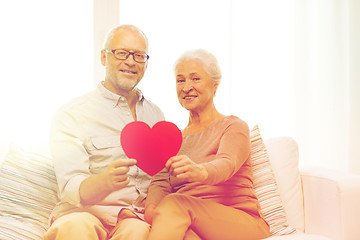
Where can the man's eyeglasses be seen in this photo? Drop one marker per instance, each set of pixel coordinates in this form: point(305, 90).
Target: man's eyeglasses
point(124, 54)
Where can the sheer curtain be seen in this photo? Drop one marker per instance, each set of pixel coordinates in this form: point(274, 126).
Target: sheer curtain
point(46, 59)
point(262, 73)
point(327, 83)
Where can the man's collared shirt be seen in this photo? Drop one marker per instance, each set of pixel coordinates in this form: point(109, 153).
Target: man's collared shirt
point(85, 138)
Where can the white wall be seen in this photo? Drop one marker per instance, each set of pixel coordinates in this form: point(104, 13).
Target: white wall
point(105, 17)
point(354, 86)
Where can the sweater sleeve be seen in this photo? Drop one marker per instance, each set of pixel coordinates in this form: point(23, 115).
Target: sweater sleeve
point(233, 151)
point(159, 188)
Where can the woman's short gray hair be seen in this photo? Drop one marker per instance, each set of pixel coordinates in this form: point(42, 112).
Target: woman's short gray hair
point(207, 59)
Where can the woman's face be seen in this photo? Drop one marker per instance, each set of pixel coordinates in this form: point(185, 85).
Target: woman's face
point(195, 89)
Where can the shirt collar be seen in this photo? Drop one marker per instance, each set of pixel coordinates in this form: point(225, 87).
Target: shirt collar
point(115, 98)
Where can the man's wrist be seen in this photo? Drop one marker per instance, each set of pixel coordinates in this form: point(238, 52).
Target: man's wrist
point(94, 189)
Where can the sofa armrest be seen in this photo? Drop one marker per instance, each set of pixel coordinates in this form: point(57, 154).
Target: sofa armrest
point(331, 202)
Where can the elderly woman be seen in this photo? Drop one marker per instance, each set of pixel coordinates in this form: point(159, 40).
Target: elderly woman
point(206, 191)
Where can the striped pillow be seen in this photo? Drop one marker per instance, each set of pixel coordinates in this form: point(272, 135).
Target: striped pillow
point(15, 229)
point(266, 188)
point(28, 193)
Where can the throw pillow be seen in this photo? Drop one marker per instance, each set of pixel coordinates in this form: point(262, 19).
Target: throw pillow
point(265, 187)
point(28, 191)
point(16, 228)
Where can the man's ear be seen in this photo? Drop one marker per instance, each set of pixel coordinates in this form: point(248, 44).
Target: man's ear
point(103, 57)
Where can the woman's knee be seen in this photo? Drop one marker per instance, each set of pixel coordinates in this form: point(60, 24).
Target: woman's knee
point(174, 204)
point(175, 199)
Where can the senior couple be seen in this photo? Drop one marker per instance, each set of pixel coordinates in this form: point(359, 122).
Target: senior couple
point(205, 192)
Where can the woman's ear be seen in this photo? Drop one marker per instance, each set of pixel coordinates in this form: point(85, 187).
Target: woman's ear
point(215, 88)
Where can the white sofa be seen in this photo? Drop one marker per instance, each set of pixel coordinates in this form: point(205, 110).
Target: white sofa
point(320, 204)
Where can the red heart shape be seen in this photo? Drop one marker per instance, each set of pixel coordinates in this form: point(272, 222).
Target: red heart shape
point(151, 147)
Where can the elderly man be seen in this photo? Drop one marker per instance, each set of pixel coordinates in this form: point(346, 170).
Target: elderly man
point(101, 191)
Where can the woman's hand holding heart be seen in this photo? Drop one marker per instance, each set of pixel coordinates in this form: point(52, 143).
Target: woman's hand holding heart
point(182, 167)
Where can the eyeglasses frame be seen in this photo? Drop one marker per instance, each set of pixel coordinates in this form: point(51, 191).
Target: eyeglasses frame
point(129, 53)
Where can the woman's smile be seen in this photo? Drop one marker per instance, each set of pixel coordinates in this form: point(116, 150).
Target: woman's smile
point(189, 97)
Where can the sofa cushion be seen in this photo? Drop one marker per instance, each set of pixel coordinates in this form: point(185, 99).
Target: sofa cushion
point(4, 148)
point(28, 189)
point(299, 236)
point(265, 187)
point(15, 228)
point(284, 158)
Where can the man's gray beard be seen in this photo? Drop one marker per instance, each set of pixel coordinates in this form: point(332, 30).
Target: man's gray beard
point(127, 85)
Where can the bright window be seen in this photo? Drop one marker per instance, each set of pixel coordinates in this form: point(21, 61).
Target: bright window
point(46, 59)
point(173, 27)
point(252, 40)
point(278, 58)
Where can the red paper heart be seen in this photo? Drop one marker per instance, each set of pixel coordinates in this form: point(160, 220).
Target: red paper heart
point(151, 147)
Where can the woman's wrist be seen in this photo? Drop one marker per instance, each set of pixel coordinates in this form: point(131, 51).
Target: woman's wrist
point(203, 173)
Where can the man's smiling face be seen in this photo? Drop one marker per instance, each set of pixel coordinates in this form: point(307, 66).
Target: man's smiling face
point(124, 75)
